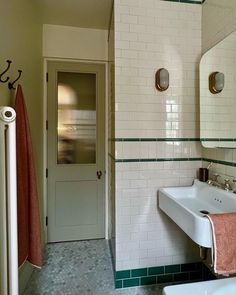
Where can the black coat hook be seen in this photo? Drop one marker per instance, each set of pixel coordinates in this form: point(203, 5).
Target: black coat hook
point(11, 84)
point(4, 72)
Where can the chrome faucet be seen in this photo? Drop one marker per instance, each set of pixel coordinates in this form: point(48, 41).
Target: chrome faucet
point(225, 186)
point(214, 181)
point(234, 182)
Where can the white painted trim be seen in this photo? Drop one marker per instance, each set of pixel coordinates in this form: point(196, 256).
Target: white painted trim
point(106, 155)
point(46, 60)
point(45, 207)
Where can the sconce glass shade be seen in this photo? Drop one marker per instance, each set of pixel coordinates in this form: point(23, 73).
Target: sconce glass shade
point(162, 79)
point(216, 82)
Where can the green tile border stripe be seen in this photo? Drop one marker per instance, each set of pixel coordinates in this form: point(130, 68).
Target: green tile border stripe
point(157, 160)
point(188, 272)
point(226, 163)
point(218, 139)
point(154, 139)
point(232, 164)
point(187, 1)
point(135, 160)
point(171, 139)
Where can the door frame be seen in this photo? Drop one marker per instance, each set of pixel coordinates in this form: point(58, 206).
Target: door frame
point(45, 152)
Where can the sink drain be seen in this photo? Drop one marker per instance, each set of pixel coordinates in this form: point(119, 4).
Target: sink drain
point(204, 212)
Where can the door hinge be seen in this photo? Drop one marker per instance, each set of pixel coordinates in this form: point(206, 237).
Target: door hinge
point(46, 172)
point(46, 221)
point(46, 77)
point(46, 124)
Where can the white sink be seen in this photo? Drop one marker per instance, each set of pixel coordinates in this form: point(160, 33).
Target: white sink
point(184, 205)
point(216, 287)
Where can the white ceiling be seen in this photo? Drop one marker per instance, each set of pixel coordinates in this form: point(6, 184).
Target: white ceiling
point(77, 13)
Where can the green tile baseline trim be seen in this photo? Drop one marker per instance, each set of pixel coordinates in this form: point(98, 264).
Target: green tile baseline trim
point(131, 283)
point(154, 139)
point(141, 272)
point(156, 270)
point(123, 274)
point(187, 1)
point(118, 284)
point(157, 160)
point(172, 268)
point(232, 164)
point(162, 275)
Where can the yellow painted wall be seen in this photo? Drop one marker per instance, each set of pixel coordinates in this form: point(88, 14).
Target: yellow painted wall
point(75, 43)
point(21, 41)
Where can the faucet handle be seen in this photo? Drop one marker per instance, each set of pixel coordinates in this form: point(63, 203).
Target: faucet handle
point(215, 176)
point(234, 182)
point(227, 184)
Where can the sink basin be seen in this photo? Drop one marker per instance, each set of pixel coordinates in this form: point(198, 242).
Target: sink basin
point(216, 287)
point(188, 206)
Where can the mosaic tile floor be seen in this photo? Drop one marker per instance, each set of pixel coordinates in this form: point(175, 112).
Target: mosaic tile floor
point(79, 268)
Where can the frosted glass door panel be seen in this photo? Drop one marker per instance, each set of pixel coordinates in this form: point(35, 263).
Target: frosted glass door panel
point(76, 125)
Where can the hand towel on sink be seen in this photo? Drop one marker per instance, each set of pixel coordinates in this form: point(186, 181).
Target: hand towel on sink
point(224, 242)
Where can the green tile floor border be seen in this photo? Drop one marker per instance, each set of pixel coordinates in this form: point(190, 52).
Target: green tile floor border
point(162, 275)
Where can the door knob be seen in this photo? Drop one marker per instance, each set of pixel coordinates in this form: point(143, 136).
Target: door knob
point(99, 174)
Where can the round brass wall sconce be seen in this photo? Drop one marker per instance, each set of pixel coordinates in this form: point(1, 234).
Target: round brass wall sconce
point(162, 79)
point(216, 82)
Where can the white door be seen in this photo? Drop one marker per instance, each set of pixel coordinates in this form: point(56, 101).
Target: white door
point(76, 151)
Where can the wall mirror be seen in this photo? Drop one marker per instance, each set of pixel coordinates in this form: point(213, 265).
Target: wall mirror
point(218, 95)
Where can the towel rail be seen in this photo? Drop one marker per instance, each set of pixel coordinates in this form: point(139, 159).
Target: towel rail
point(8, 214)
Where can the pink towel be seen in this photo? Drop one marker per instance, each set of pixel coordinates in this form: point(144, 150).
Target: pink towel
point(29, 232)
point(224, 242)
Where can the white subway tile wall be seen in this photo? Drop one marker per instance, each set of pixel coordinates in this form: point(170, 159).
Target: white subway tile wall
point(149, 35)
point(171, 38)
point(158, 150)
point(144, 235)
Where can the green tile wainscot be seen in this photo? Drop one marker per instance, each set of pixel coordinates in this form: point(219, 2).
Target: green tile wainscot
point(168, 274)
